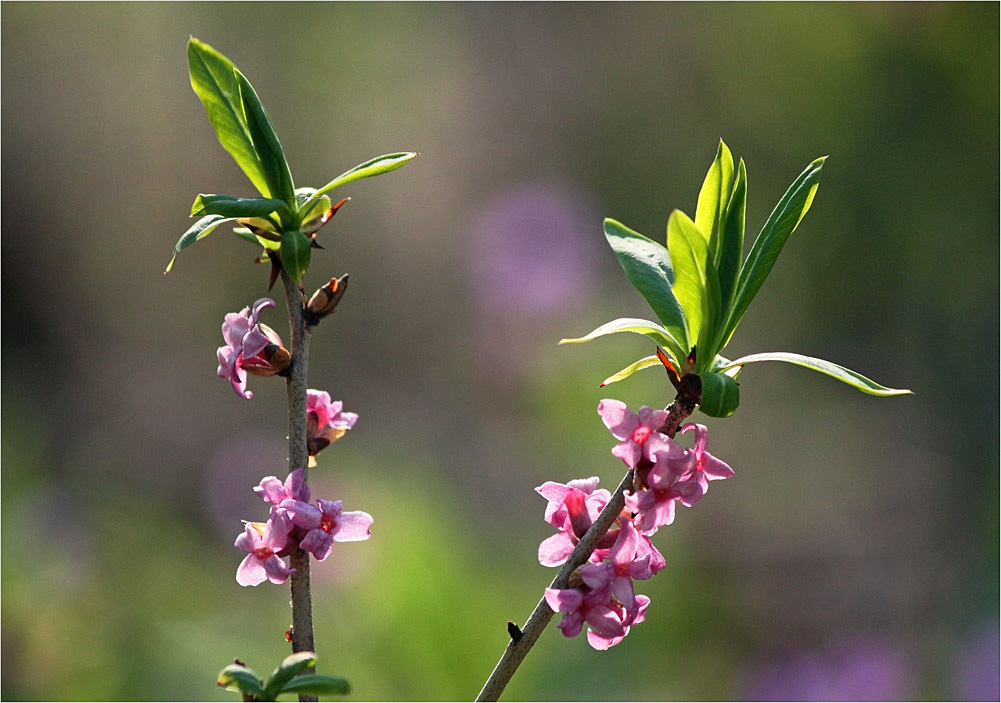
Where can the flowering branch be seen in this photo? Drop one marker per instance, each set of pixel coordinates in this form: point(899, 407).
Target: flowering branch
point(524, 639)
point(298, 457)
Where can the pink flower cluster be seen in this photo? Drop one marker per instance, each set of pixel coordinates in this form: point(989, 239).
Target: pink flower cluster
point(294, 522)
point(601, 593)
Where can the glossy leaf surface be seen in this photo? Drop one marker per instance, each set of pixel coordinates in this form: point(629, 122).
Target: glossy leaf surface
point(780, 224)
point(232, 206)
point(720, 395)
point(658, 334)
point(202, 228)
point(237, 677)
point(286, 671)
point(648, 267)
point(852, 378)
point(711, 211)
point(214, 80)
point(372, 167)
point(696, 284)
point(731, 245)
point(318, 685)
point(644, 363)
point(269, 150)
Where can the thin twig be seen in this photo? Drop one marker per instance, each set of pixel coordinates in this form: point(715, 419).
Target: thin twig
point(298, 458)
point(540, 617)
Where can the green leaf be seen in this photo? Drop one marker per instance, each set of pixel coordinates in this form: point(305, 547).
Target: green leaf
point(696, 283)
point(202, 228)
point(232, 206)
point(214, 80)
point(631, 324)
point(286, 671)
point(318, 685)
point(780, 224)
point(372, 167)
point(720, 394)
point(648, 267)
point(731, 247)
point(711, 210)
point(644, 363)
point(269, 149)
point(295, 254)
point(856, 380)
point(237, 677)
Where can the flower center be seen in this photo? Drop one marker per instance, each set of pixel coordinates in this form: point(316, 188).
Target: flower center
point(641, 434)
point(328, 523)
point(263, 553)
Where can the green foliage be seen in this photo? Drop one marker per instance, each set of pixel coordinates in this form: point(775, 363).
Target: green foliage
point(244, 129)
point(699, 289)
point(284, 679)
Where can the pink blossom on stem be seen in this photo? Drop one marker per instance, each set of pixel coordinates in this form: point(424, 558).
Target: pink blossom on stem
point(251, 347)
point(640, 434)
point(326, 421)
point(274, 491)
point(628, 562)
point(572, 508)
point(326, 523)
point(696, 467)
point(590, 607)
point(602, 642)
point(263, 542)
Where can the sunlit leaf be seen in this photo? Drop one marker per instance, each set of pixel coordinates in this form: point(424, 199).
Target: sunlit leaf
point(201, 228)
point(269, 149)
point(648, 267)
point(852, 378)
point(237, 677)
point(644, 363)
point(780, 224)
point(318, 685)
point(731, 246)
point(696, 283)
point(658, 334)
point(286, 671)
point(711, 210)
point(372, 167)
point(214, 80)
point(232, 206)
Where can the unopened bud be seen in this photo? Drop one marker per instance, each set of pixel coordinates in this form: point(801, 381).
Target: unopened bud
point(325, 299)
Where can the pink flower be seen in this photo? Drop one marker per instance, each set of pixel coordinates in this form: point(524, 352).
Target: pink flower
point(627, 563)
point(602, 643)
point(263, 542)
point(642, 442)
point(274, 491)
point(326, 524)
point(251, 347)
point(580, 607)
point(325, 420)
point(572, 508)
point(696, 467)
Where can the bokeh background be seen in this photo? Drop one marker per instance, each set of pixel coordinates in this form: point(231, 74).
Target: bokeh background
point(853, 556)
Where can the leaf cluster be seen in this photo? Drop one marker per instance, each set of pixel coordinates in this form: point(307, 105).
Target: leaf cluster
point(285, 678)
point(699, 284)
point(284, 219)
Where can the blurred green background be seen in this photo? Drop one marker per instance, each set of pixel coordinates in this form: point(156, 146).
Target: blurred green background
point(853, 555)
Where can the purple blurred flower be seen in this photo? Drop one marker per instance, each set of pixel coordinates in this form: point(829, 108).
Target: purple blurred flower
point(251, 347)
point(263, 542)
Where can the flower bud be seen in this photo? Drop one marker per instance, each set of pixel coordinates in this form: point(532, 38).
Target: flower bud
point(325, 299)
